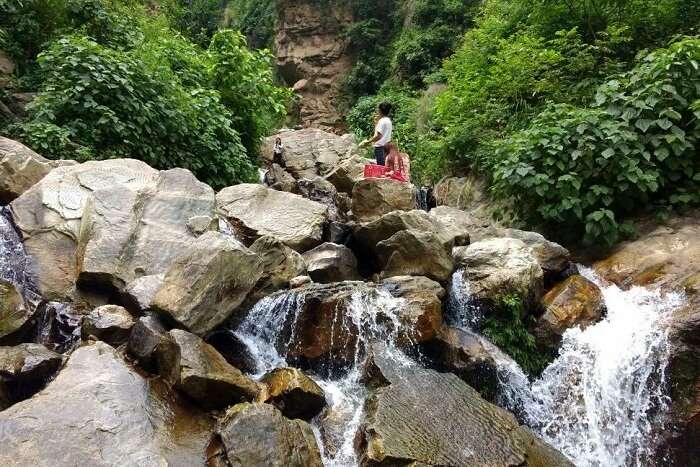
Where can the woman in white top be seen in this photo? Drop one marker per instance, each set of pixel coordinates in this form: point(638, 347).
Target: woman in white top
point(382, 133)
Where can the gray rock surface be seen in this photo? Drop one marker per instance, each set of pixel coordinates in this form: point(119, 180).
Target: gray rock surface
point(24, 370)
point(280, 264)
point(109, 323)
point(330, 262)
point(415, 253)
point(14, 314)
point(374, 197)
point(293, 393)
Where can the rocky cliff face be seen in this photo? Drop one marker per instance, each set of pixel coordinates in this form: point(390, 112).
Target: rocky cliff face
point(313, 57)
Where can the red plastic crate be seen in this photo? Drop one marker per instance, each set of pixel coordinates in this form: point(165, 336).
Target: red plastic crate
point(374, 171)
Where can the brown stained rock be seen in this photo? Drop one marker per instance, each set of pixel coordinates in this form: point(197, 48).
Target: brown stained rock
point(24, 370)
point(259, 435)
point(415, 415)
point(329, 262)
point(100, 411)
point(574, 302)
point(256, 211)
point(293, 393)
point(110, 323)
point(13, 311)
point(280, 264)
point(199, 371)
point(374, 197)
point(415, 253)
point(208, 282)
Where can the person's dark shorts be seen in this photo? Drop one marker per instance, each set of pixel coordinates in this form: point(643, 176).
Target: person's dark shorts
point(379, 155)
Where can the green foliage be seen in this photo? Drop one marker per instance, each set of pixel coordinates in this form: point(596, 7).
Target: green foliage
point(197, 19)
point(254, 18)
point(100, 103)
point(587, 168)
point(506, 329)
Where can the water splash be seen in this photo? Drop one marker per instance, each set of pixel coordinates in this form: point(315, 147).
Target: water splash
point(14, 263)
point(461, 310)
point(602, 401)
point(269, 329)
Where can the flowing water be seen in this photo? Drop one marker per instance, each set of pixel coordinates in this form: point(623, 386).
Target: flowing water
point(269, 329)
point(14, 264)
point(603, 400)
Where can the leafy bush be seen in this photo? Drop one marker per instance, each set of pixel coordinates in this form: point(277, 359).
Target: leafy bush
point(587, 168)
point(254, 18)
point(100, 103)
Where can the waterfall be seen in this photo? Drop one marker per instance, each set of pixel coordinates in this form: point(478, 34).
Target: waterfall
point(602, 401)
point(268, 331)
point(14, 264)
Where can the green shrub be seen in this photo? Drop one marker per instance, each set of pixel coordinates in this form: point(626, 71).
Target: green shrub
point(254, 18)
point(99, 103)
point(588, 168)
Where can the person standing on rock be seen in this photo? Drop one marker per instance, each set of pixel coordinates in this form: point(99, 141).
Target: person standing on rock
point(278, 152)
point(382, 133)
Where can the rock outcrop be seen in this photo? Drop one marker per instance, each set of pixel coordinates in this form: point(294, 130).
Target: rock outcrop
point(374, 197)
point(258, 434)
point(198, 370)
point(24, 370)
point(414, 253)
point(499, 267)
point(99, 409)
point(329, 263)
point(420, 416)
point(313, 57)
point(14, 315)
point(208, 282)
point(280, 264)
point(574, 302)
point(109, 323)
point(293, 393)
point(107, 222)
point(21, 168)
point(255, 211)
point(145, 339)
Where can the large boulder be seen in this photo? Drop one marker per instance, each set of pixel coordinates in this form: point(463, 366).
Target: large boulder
point(347, 173)
point(109, 323)
point(255, 210)
point(498, 267)
point(552, 257)
point(108, 221)
point(280, 264)
point(414, 253)
point(422, 306)
point(147, 337)
point(331, 263)
point(574, 302)
point(279, 179)
point(310, 152)
point(478, 228)
point(21, 168)
point(207, 282)
point(293, 393)
point(14, 314)
point(24, 370)
point(198, 370)
point(100, 410)
point(259, 435)
point(667, 256)
point(422, 417)
point(374, 197)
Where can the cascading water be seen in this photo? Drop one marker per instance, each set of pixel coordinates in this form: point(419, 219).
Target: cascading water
point(268, 331)
point(602, 401)
point(14, 264)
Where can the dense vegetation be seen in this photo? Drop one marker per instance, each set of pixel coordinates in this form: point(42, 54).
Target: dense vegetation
point(117, 79)
point(579, 113)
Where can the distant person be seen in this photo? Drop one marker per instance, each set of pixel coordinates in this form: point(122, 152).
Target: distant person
point(278, 152)
point(382, 133)
point(398, 165)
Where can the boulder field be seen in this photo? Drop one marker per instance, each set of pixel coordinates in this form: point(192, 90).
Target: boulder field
point(123, 348)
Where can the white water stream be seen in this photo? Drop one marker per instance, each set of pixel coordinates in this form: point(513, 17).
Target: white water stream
point(603, 400)
point(268, 331)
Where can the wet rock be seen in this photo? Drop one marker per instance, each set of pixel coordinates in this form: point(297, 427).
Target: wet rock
point(331, 263)
point(147, 334)
point(127, 419)
point(235, 351)
point(414, 253)
point(255, 211)
point(420, 416)
point(14, 315)
point(110, 221)
point(299, 281)
point(374, 197)
point(499, 267)
point(110, 323)
point(422, 307)
point(293, 393)
point(573, 302)
point(20, 169)
point(258, 434)
point(280, 264)
point(140, 293)
point(198, 370)
point(24, 370)
point(466, 354)
point(348, 173)
point(208, 282)
point(310, 152)
point(402, 286)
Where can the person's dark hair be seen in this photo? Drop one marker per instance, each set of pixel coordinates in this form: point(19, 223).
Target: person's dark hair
point(385, 108)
